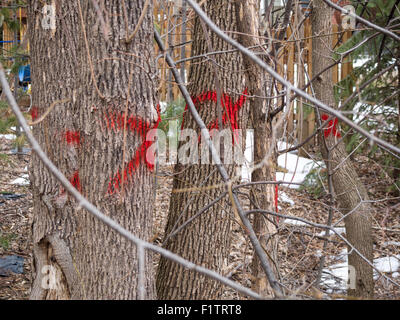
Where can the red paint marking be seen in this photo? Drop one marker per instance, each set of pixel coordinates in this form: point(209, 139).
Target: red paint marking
point(75, 181)
point(134, 125)
point(72, 137)
point(116, 123)
point(34, 113)
point(231, 110)
point(332, 127)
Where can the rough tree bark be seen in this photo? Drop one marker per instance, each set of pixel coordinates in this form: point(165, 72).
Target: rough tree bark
point(262, 195)
point(347, 185)
point(100, 77)
point(206, 241)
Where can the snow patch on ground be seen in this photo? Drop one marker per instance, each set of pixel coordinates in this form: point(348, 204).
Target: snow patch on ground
point(392, 243)
point(282, 145)
point(336, 276)
point(340, 230)
point(297, 169)
point(283, 197)
point(163, 106)
point(8, 136)
point(293, 180)
point(359, 62)
point(21, 181)
point(362, 112)
point(293, 163)
point(388, 264)
point(11, 136)
point(296, 223)
point(15, 128)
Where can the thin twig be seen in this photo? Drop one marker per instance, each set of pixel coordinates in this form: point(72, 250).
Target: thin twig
point(105, 26)
point(141, 18)
point(48, 111)
point(326, 227)
point(362, 20)
point(88, 52)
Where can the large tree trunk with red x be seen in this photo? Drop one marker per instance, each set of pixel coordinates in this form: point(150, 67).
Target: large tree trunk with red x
point(349, 190)
point(206, 240)
point(96, 138)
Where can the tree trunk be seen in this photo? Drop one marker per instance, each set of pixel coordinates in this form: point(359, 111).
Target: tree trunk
point(206, 241)
point(102, 80)
point(262, 195)
point(348, 187)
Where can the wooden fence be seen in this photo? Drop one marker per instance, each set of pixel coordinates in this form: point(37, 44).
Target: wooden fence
point(294, 61)
point(175, 26)
point(8, 35)
point(295, 65)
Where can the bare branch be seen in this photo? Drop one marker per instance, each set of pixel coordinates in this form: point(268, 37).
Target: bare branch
point(206, 135)
point(85, 204)
point(362, 20)
point(288, 85)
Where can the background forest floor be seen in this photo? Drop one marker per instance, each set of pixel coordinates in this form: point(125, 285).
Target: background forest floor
point(299, 247)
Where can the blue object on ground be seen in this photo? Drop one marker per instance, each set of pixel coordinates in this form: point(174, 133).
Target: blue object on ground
point(24, 73)
point(11, 196)
point(13, 264)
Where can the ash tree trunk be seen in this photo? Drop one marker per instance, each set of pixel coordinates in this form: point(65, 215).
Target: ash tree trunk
point(109, 98)
point(262, 195)
point(348, 188)
point(206, 241)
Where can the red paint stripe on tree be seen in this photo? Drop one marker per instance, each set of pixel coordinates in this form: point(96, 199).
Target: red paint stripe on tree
point(34, 113)
point(231, 110)
point(141, 127)
point(75, 181)
point(72, 137)
point(332, 127)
